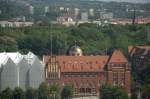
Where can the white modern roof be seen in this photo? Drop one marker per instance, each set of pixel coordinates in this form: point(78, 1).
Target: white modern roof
point(3, 58)
point(30, 57)
point(16, 57)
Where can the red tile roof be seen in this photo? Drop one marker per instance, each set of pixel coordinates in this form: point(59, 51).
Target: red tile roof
point(86, 63)
point(80, 63)
point(117, 57)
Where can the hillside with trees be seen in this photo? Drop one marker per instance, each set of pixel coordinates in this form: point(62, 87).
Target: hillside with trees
point(92, 38)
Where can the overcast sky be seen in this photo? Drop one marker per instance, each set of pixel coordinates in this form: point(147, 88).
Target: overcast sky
point(133, 1)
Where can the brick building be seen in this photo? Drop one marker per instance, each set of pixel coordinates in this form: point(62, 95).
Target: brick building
point(139, 56)
point(88, 73)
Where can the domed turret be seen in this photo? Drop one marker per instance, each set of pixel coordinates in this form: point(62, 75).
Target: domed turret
point(75, 51)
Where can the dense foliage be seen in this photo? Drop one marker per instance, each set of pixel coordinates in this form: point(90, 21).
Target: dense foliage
point(6, 94)
point(145, 78)
point(113, 92)
point(67, 92)
point(43, 92)
point(92, 38)
point(55, 91)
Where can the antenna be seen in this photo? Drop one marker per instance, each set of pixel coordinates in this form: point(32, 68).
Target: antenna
point(51, 38)
point(75, 43)
point(134, 15)
point(148, 36)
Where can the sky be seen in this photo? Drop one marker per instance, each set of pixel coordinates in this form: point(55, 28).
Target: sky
point(133, 1)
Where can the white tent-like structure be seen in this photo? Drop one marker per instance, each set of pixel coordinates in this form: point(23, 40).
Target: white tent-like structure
point(36, 73)
point(9, 75)
point(17, 70)
point(23, 74)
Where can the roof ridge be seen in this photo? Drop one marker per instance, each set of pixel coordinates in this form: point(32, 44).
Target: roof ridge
point(117, 56)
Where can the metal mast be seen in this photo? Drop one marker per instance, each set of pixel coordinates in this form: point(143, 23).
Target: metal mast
point(134, 15)
point(51, 39)
point(148, 36)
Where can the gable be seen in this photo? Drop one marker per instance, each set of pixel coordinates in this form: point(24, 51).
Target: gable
point(117, 57)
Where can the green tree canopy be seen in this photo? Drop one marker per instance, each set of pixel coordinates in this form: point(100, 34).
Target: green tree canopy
point(6, 94)
point(55, 91)
point(67, 92)
point(31, 93)
point(146, 91)
point(113, 92)
point(18, 93)
point(91, 38)
point(43, 91)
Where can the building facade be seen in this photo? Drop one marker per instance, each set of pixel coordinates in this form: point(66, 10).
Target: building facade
point(17, 70)
point(88, 73)
point(139, 56)
point(15, 24)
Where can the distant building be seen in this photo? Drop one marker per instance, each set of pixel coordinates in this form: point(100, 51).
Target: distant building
point(84, 16)
point(142, 20)
point(76, 11)
point(61, 8)
point(97, 22)
point(91, 12)
point(65, 21)
point(88, 73)
point(106, 15)
point(31, 9)
point(17, 70)
point(121, 21)
point(138, 20)
point(15, 24)
point(46, 9)
point(18, 19)
point(67, 9)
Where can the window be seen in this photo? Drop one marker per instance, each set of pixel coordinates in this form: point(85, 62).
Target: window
point(88, 90)
point(121, 79)
point(115, 78)
point(76, 90)
point(82, 90)
point(93, 90)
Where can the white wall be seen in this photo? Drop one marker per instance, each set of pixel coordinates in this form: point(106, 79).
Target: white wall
point(9, 76)
point(36, 74)
point(23, 74)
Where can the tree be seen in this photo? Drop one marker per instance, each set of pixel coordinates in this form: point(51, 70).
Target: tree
point(146, 91)
point(43, 91)
point(8, 44)
point(113, 92)
point(18, 93)
point(31, 93)
point(55, 91)
point(6, 94)
point(67, 92)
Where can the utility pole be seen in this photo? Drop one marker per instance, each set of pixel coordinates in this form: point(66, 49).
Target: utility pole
point(51, 40)
point(148, 36)
point(134, 15)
